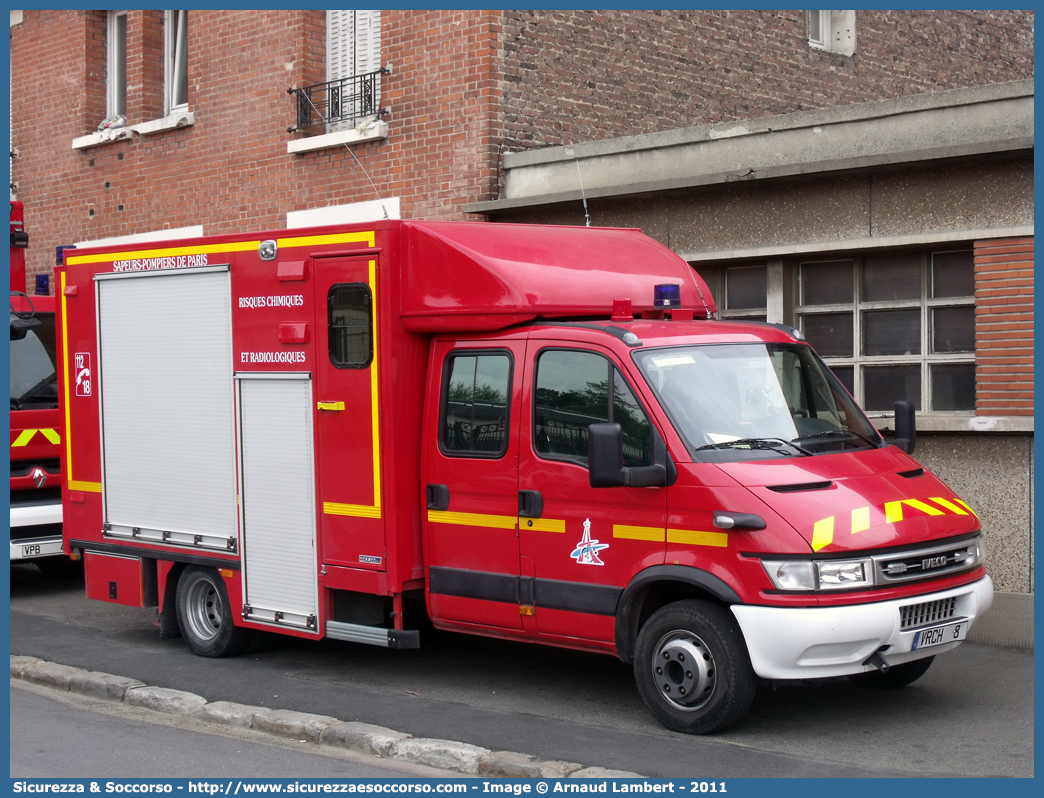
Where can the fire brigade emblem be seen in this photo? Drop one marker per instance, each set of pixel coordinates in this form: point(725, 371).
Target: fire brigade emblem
point(586, 551)
point(39, 477)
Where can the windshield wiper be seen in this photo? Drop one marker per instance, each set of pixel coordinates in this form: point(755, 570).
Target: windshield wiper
point(756, 443)
point(833, 432)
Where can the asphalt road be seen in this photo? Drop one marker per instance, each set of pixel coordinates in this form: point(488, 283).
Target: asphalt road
point(970, 715)
point(68, 736)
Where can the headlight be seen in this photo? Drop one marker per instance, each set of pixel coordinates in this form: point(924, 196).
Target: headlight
point(791, 574)
point(842, 574)
point(819, 574)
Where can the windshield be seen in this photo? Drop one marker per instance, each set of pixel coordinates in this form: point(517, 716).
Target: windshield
point(755, 401)
point(34, 380)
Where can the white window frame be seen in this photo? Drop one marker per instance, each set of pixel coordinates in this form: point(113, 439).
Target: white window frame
point(926, 358)
point(175, 62)
point(116, 73)
point(353, 47)
point(837, 31)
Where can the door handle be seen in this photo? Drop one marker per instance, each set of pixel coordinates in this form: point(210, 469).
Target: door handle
point(438, 497)
point(530, 504)
point(331, 405)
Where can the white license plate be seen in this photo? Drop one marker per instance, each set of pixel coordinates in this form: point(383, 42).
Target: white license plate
point(937, 635)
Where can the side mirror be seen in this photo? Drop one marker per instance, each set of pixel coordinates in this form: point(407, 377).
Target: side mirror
point(905, 426)
point(20, 326)
point(605, 461)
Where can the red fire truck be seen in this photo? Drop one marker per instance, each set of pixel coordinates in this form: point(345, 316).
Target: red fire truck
point(540, 430)
point(36, 503)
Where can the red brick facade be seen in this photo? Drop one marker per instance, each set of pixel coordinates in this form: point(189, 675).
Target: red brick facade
point(573, 76)
point(1004, 327)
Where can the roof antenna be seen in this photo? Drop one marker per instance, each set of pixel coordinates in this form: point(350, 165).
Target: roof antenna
point(357, 161)
point(583, 196)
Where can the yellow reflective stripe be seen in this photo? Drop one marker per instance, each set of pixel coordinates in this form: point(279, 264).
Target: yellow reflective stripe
point(65, 369)
point(23, 438)
point(694, 537)
point(965, 506)
point(356, 510)
point(88, 487)
point(368, 237)
point(924, 508)
point(542, 524)
point(472, 519)
point(375, 415)
point(167, 252)
point(823, 533)
point(51, 435)
point(953, 508)
point(893, 512)
point(638, 532)
point(860, 519)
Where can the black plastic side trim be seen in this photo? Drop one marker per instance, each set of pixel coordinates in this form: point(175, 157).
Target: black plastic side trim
point(403, 638)
point(159, 554)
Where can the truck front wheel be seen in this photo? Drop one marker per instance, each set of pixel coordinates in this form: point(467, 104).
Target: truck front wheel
point(692, 667)
point(205, 617)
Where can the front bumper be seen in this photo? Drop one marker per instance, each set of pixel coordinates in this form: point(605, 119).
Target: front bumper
point(30, 544)
point(820, 642)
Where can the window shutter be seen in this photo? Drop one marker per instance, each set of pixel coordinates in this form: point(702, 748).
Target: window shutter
point(367, 41)
point(340, 44)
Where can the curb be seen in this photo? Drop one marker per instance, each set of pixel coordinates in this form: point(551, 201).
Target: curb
point(363, 738)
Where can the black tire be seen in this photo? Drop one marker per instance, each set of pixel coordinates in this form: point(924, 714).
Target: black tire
point(709, 697)
point(204, 616)
point(897, 676)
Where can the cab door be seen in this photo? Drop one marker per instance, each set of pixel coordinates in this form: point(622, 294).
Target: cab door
point(348, 401)
point(472, 484)
point(586, 543)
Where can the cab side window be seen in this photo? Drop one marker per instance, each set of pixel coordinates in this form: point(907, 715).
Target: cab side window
point(350, 317)
point(475, 405)
point(576, 389)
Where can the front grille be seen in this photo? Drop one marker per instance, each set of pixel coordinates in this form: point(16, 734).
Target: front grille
point(931, 612)
point(34, 498)
point(36, 531)
point(927, 562)
point(21, 468)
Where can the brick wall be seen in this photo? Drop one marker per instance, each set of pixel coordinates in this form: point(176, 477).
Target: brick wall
point(1004, 327)
point(573, 76)
point(230, 171)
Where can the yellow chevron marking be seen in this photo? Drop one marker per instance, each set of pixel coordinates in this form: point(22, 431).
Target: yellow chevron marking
point(823, 533)
point(542, 524)
point(953, 508)
point(924, 508)
point(472, 519)
point(860, 519)
point(638, 532)
point(965, 506)
point(23, 438)
point(693, 537)
point(356, 510)
point(893, 512)
point(51, 435)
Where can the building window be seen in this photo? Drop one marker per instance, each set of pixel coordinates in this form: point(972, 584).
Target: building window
point(353, 47)
point(895, 326)
point(116, 64)
point(833, 31)
point(176, 63)
point(742, 290)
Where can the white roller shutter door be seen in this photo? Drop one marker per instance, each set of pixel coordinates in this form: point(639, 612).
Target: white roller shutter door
point(278, 472)
point(166, 391)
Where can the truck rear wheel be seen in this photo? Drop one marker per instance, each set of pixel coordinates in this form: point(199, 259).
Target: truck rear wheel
point(692, 668)
point(205, 617)
point(897, 676)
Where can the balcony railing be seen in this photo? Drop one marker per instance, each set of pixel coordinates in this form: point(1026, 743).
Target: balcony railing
point(342, 103)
